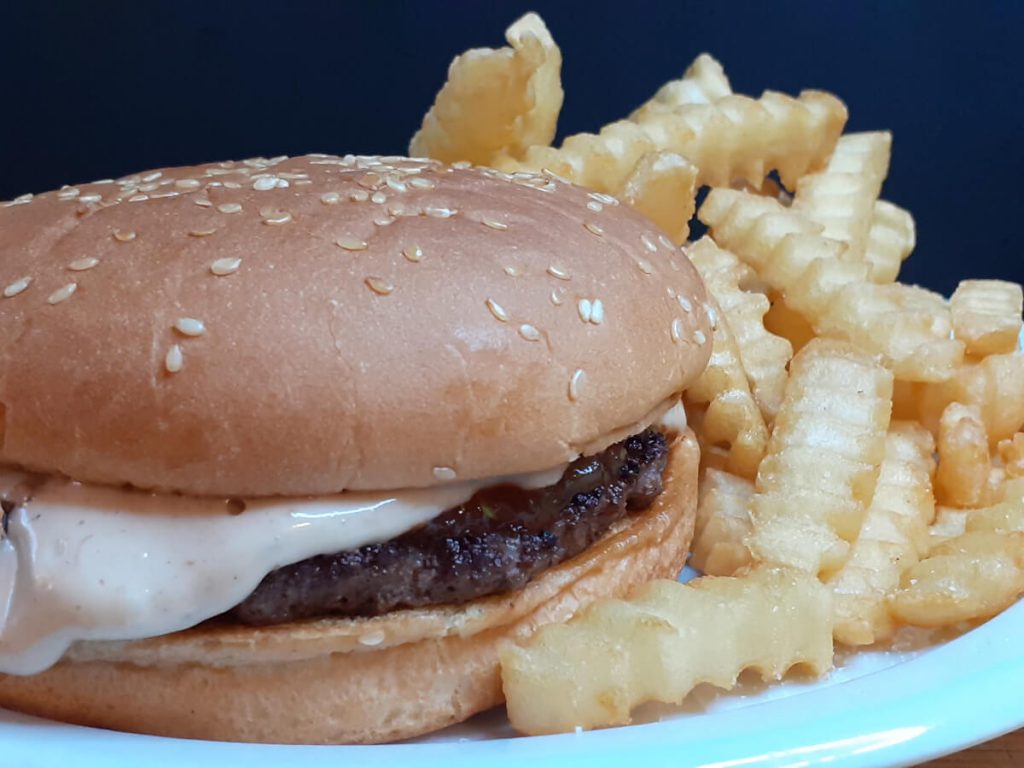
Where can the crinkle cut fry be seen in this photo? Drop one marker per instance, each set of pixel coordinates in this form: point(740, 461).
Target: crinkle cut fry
point(893, 537)
point(732, 418)
point(764, 355)
point(907, 326)
point(496, 102)
point(665, 640)
point(818, 477)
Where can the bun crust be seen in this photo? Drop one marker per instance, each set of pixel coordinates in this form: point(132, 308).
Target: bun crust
point(315, 682)
point(467, 324)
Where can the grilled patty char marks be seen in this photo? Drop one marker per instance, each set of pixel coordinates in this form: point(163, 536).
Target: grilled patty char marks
point(495, 542)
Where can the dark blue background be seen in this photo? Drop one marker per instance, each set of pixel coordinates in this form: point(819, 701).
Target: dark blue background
point(94, 89)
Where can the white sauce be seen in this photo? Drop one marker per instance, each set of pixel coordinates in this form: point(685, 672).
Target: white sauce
point(674, 419)
point(86, 562)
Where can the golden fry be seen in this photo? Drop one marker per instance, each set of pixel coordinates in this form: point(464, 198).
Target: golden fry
point(496, 102)
point(667, 639)
point(842, 196)
point(1011, 453)
point(963, 456)
point(703, 83)
point(663, 187)
point(891, 238)
point(973, 576)
point(894, 536)
point(723, 524)
point(995, 385)
point(732, 418)
point(818, 477)
point(987, 315)
point(907, 326)
point(763, 355)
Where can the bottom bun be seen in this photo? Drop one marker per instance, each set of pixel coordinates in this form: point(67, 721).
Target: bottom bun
point(336, 681)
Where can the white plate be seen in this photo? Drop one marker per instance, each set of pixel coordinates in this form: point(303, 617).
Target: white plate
point(877, 709)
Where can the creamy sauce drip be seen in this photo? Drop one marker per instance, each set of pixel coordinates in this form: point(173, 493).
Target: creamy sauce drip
point(83, 562)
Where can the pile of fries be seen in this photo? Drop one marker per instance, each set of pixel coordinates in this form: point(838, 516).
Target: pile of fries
point(863, 464)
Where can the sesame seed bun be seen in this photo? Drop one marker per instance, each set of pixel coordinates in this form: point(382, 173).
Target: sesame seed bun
point(316, 324)
point(353, 680)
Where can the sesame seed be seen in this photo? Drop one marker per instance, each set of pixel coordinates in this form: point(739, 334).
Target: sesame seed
point(230, 207)
point(413, 253)
point(712, 316)
point(359, 196)
point(444, 473)
point(86, 262)
point(555, 271)
point(18, 286)
point(202, 232)
point(138, 198)
point(699, 337)
point(379, 285)
point(666, 242)
point(462, 165)
point(379, 198)
point(648, 243)
point(68, 193)
point(372, 638)
point(576, 383)
point(497, 310)
point(383, 221)
point(597, 312)
point(280, 183)
point(395, 184)
point(677, 330)
point(152, 187)
point(330, 198)
point(685, 304)
point(152, 176)
point(595, 206)
point(202, 202)
point(232, 185)
point(601, 197)
point(645, 266)
point(397, 209)
point(593, 229)
point(162, 195)
point(228, 266)
point(124, 235)
point(174, 360)
point(93, 198)
point(512, 271)
point(585, 308)
point(528, 332)
point(350, 243)
point(439, 212)
point(264, 183)
point(62, 294)
point(187, 183)
point(278, 217)
point(558, 296)
point(494, 224)
point(369, 180)
point(189, 326)
point(421, 183)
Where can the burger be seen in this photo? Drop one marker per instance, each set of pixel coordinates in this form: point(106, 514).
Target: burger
point(290, 447)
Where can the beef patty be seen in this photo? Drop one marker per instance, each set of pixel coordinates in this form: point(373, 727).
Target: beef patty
point(495, 542)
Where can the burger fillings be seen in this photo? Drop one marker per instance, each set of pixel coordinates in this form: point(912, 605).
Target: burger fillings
point(344, 348)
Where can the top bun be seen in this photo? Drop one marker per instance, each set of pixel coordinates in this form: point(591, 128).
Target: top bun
point(316, 324)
